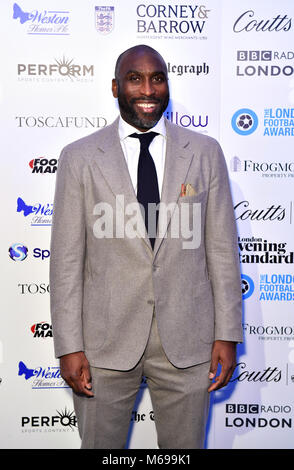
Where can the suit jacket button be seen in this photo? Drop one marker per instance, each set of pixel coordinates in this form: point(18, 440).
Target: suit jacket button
point(150, 302)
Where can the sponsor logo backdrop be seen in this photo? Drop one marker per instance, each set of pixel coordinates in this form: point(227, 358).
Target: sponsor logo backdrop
point(231, 72)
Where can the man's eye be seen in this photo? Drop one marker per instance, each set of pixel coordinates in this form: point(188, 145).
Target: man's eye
point(158, 78)
point(134, 78)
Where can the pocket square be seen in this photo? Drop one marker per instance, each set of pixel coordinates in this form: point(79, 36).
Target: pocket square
point(187, 190)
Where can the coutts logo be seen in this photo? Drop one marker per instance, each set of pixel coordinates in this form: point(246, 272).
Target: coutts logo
point(249, 22)
point(270, 374)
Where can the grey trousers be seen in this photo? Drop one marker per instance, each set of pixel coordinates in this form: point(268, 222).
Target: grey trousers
point(179, 398)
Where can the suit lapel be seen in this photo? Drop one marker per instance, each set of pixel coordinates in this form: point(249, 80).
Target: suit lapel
point(178, 159)
point(113, 166)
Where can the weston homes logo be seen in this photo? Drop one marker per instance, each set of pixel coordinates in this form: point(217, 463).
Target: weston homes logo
point(38, 213)
point(42, 22)
point(41, 377)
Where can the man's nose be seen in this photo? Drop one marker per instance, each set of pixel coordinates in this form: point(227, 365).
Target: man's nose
point(147, 87)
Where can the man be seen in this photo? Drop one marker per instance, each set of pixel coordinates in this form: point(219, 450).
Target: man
point(128, 301)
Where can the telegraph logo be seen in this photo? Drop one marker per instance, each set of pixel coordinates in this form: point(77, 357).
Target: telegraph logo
point(244, 121)
point(247, 286)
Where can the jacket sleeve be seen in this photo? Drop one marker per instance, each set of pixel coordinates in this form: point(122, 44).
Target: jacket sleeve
point(222, 252)
point(67, 258)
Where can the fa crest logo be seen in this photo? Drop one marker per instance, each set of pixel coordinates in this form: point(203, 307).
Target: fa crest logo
point(104, 19)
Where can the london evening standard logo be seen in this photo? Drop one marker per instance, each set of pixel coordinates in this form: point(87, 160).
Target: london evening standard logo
point(42, 377)
point(171, 21)
point(39, 214)
point(43, 22)
point(256, 250)
point(62, 69)
point(104, 19)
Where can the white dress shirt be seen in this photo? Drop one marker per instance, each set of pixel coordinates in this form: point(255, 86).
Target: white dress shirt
point(131, 149)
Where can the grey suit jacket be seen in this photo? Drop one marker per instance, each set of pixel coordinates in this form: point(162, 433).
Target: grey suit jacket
point(104, 290)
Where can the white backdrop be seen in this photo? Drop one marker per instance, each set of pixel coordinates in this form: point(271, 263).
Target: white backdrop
point(231, 66)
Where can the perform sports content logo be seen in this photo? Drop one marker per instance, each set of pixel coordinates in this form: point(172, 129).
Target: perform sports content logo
point(43, 22)
point(62, 69)
point(64, 421)
point(104, 19)
point(244, 121)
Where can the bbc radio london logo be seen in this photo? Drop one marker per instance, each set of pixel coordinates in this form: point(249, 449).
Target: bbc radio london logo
point(244, 121)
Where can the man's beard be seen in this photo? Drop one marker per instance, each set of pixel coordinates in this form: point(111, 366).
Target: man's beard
point(129, 114)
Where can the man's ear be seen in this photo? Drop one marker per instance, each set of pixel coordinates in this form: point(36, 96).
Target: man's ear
point(114, 87)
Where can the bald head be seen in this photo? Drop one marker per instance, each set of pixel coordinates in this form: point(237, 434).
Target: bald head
point(141, 49)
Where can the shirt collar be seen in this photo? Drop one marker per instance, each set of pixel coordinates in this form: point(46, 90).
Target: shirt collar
point(125, 129)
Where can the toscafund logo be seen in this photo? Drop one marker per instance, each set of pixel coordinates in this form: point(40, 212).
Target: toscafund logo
point(43, 22)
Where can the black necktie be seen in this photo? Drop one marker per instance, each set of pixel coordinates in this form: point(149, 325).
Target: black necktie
point(147, 186)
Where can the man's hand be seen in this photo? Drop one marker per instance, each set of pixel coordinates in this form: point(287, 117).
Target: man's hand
point(75, 370)
point(223, 352)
